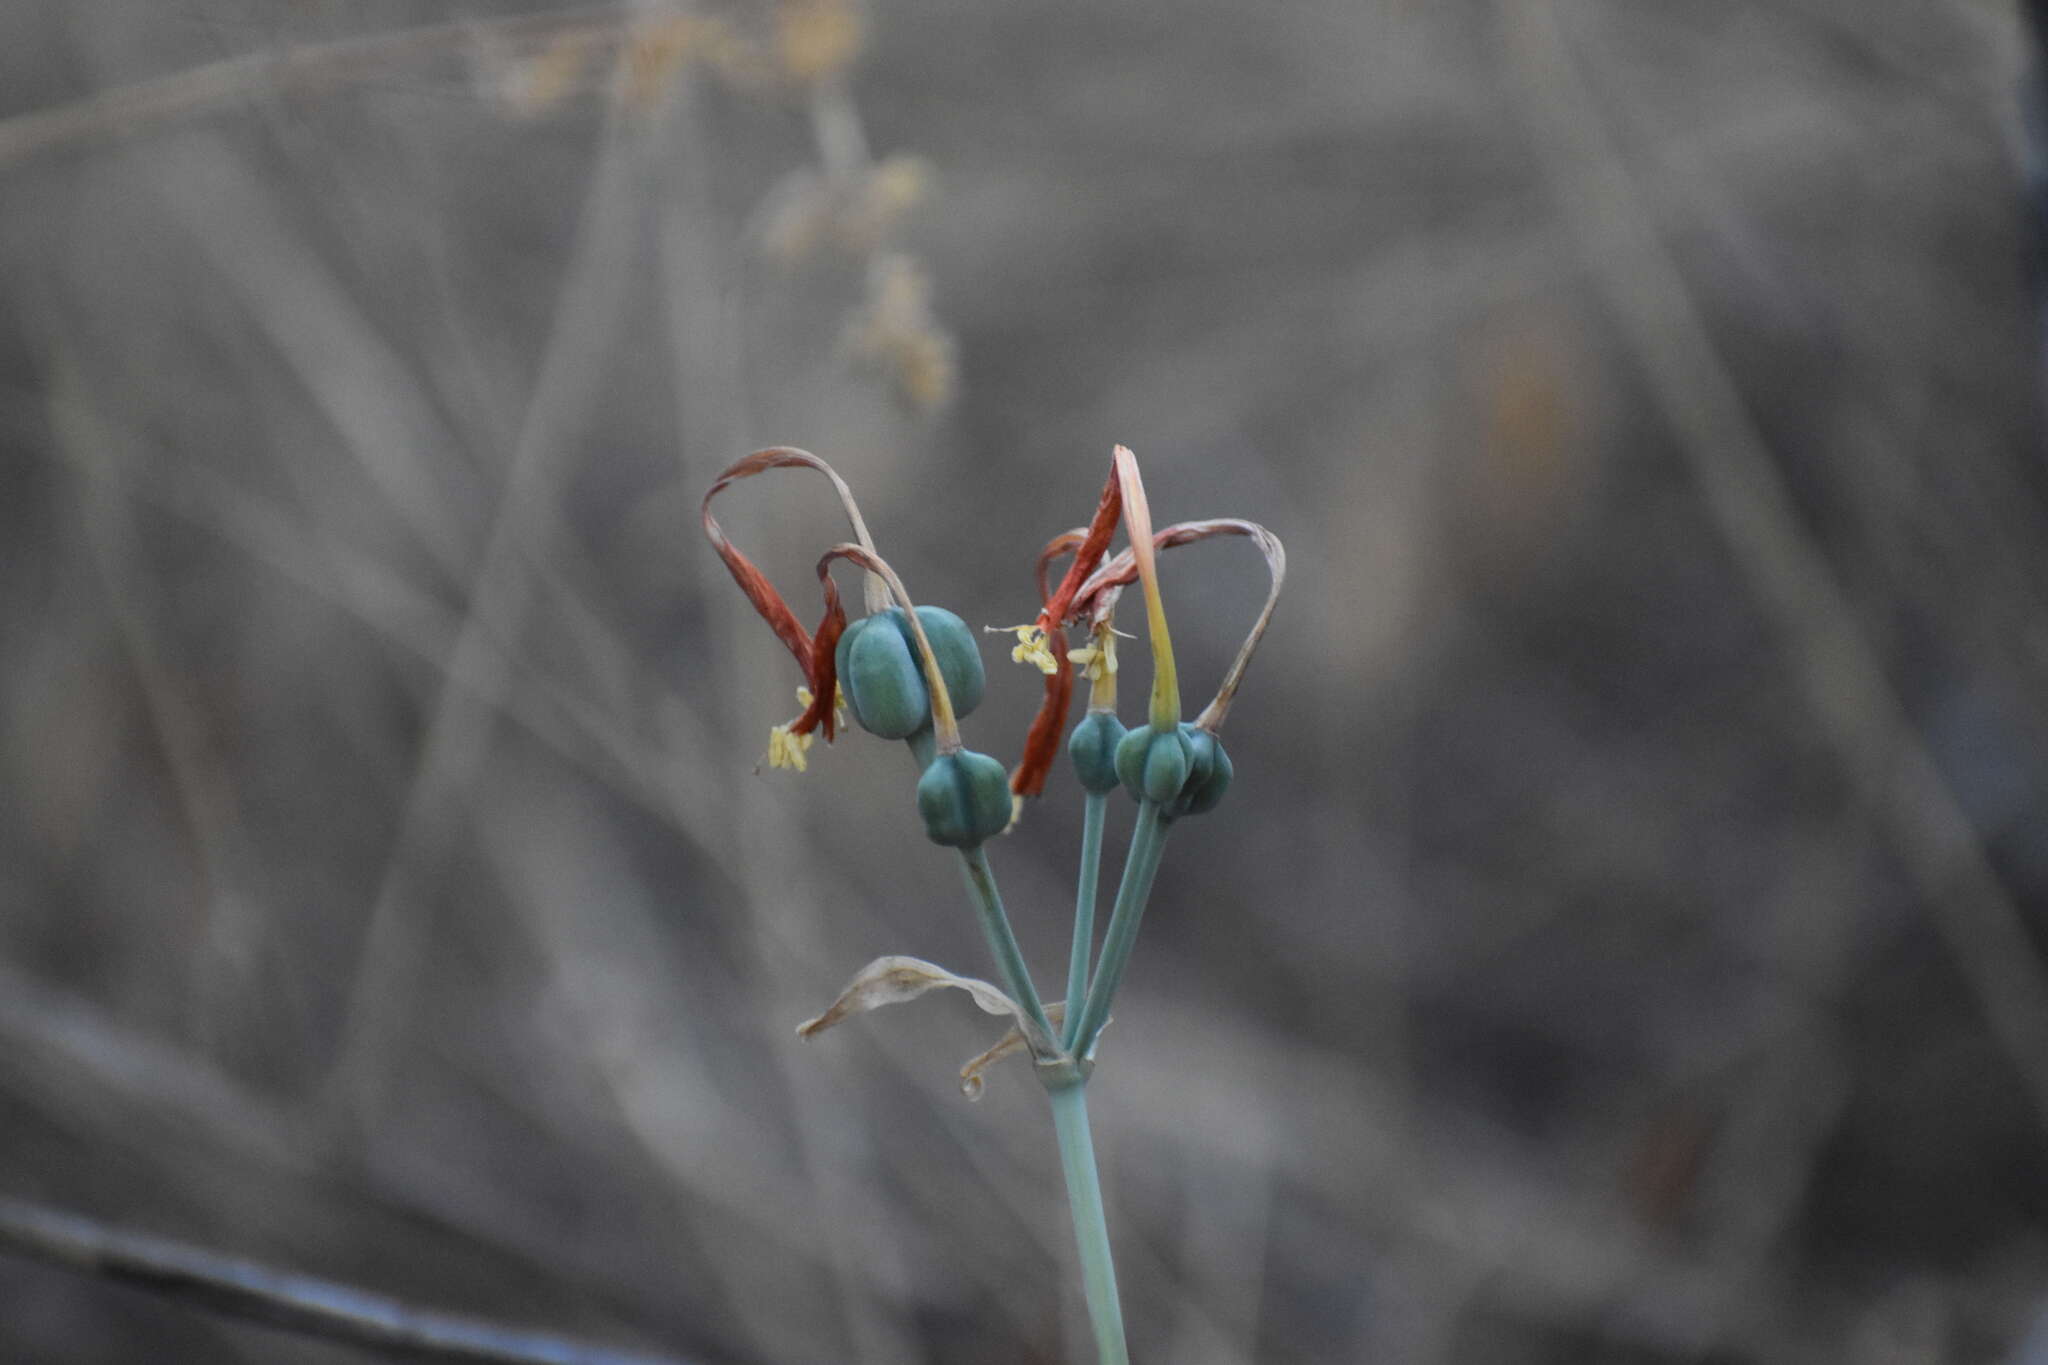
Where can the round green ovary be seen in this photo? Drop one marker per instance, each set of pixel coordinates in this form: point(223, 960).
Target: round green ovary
point(1208, 774)
point(964, 799)
point(958, 653)
point(1153, 764)
point(881, 679)
point(1204, 797)
point(1093, 749)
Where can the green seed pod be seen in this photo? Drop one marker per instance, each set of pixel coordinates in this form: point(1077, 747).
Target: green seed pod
point(964, 799)
point(1209, 774)
point(958, 653)
point(1153, 764)
point(1202, 799)
point(1093, 749)
point(881, 678)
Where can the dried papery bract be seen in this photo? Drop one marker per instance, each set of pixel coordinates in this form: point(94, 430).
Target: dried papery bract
point(895, 979)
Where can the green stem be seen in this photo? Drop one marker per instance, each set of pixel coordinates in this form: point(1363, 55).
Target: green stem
point(924, 747)
point(1091, 1228)
point(1002, 943)
point(1084, 908)
point(1140, 864)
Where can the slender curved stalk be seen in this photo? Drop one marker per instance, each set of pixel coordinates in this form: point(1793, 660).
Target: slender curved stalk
point(1002, 942)
point(1091, 1228)
point(1084, 910)
point(1140, 865)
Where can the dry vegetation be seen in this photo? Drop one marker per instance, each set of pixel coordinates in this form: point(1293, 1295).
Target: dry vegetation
point(1624, 939)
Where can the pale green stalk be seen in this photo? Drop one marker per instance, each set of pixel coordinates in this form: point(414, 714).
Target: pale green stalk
point(1091, 1228)
point(1140, 865)
point(1002, 942)
point(1092, 813)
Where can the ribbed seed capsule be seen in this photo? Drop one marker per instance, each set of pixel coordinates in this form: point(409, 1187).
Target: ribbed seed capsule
point(1209, 774)
point(1202, 798)
point(1093, 749)
point(881, 678)
point(964, 798)
point(958, 653)
point(1153, 764)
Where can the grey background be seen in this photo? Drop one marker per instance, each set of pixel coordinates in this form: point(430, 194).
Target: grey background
point(1622, 942)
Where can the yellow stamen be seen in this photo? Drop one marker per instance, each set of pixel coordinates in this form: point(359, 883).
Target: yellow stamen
point(786, 750)
point(1097, 662)
point(1031, 647)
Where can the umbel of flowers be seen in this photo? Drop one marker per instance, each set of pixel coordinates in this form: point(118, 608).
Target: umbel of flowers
point(912, 673)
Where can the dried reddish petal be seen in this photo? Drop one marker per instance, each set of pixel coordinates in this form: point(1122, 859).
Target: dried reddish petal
point(1108, 511)
point(762, 594)
point(766, 600)
point(1062, 544)
point(824, 671)
point(1042, 741)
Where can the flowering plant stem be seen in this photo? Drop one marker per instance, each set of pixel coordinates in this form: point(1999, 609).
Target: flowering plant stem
point(1002, 942)
point(1084, 906)
point(1148, 840)
point(1091, 1228)
point(1066, 1085)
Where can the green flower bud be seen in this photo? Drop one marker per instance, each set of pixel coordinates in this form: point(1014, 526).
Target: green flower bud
point(1153, 764)
point(881, 678)
point(964, 798)
point(958, 653)
point(1093, 748)
point(1209, 774)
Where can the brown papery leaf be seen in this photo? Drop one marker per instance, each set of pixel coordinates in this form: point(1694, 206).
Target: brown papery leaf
point(896, 979)
point(1009, 1045)
point(1122, 571)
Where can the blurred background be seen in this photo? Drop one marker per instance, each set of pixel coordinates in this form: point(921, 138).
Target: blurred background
point(1624, 941)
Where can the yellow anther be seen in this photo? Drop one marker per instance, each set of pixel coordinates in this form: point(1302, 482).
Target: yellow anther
point(804, 698)
point(1097, 661)
point(1031, 647)
point(786, 750)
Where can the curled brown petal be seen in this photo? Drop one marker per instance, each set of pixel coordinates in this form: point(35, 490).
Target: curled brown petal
point(1042, 741)
point(1122, 570)
point(1065, 543)
point(760, 592)
point(1088, 554)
